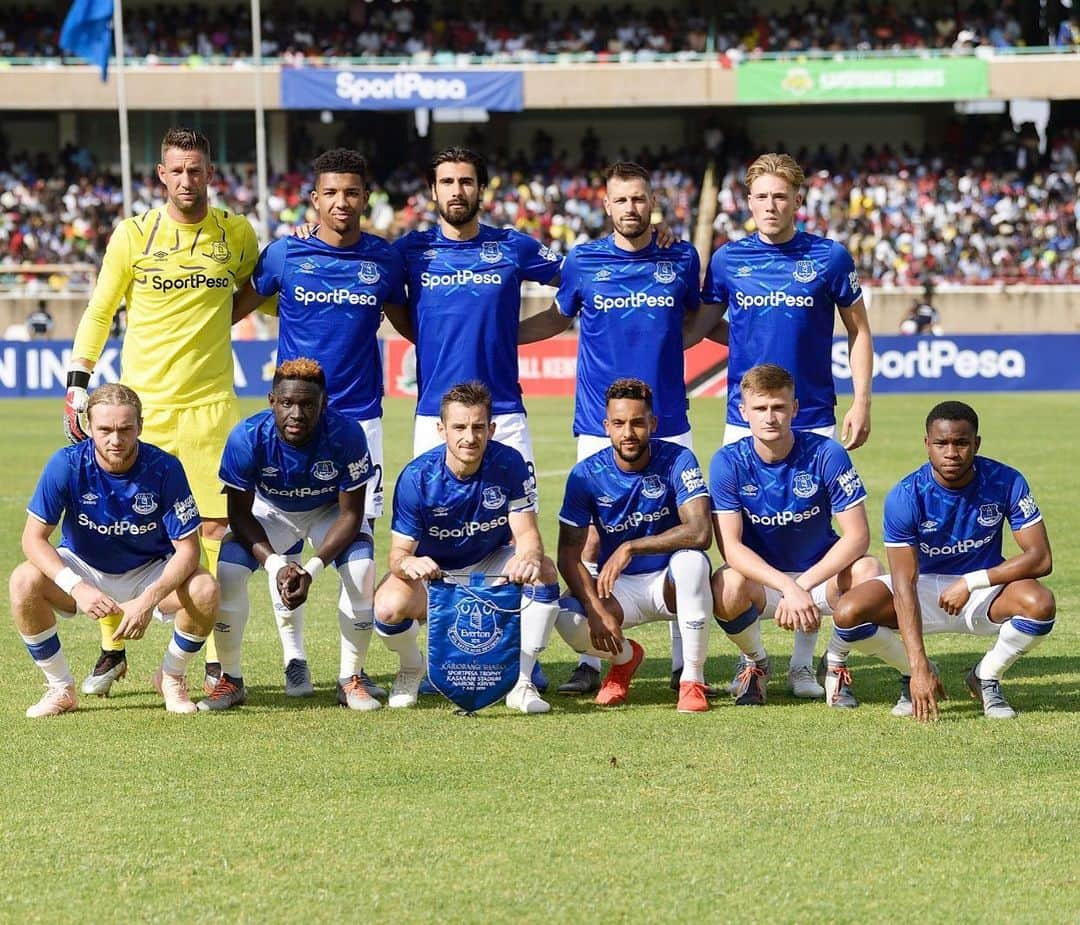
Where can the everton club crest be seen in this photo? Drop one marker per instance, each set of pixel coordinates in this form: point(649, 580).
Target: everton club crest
point(652, 486)
point(325, 470)
point(493, 498)
point(475, 629)
point(804, 485)
point(804, 271)
point(989, 515)
point(144, 503)
point(665, 271)
point(490, 252)
point(369, 272)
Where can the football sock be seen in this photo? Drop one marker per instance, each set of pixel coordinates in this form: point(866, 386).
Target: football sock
point(745, 632)
point(232, 615)
point(356, 615)
point(180, 651)
point(689, 572)
point(591, 660)
point(1016, 636)
point(879, 641)
point(45, 650)
point(537, 620)
point(211, 551)
point(625, 654)
point(837, 651)
point(401, 638)
point(107, 626)
point(802, 651)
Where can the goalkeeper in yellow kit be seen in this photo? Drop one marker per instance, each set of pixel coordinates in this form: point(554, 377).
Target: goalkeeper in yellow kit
point(176, 267)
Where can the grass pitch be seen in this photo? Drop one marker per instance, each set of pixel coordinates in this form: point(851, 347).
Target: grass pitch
point(286, 810)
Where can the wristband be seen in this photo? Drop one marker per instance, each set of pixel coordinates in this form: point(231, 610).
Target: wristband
point(975, 581)
point(313, 567)
point(66, 579)
point(274, 564)
point(78, 377)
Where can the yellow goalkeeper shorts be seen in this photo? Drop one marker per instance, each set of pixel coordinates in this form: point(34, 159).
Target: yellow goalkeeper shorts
point(196, 436)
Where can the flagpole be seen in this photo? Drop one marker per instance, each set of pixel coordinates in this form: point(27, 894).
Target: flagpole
point(260, 122)
point(121, 94)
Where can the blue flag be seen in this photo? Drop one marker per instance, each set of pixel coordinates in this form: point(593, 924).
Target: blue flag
point(87, 32)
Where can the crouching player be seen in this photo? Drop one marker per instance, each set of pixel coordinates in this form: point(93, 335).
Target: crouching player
point(775, 494)
point(943, 533)
point(648, 501)
point(129, 547)
point(467, 505)
point(294, 472)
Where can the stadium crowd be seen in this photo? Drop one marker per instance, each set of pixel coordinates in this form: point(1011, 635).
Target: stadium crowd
point(902, 214)
point(420, 29)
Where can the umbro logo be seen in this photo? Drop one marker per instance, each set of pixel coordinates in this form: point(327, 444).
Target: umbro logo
point(160, 255)
point(308, 267)
point(928, 526)
point(90, 498)
point(605, 501)
point(430, 254)
point(440, 511)
point(601, 276)
point(744, 270)
point(749, 489)
point(270, 471)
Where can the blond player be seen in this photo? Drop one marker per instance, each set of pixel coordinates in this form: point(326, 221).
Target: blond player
point(176, 268)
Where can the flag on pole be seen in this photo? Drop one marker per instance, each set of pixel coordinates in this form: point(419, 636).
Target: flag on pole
point(87, 32)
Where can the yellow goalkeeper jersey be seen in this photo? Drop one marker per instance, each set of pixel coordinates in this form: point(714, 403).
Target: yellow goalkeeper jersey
point(178, 282)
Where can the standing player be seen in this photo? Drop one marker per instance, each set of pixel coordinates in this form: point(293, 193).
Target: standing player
point(458, 508)
point(292, 473)
point(782, 288)
point(648, 501)
point(775, 494)
point(464, 286)
point(129, 548)
point(176, 268)
point(943, 534)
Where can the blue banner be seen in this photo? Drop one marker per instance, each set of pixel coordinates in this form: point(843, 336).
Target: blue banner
point(968, 363)
point(404, 88)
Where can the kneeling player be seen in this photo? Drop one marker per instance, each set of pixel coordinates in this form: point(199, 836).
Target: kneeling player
point(943, 533)
point(457, 508)
point(296, 472)
point(648, 501)
point(129, 546)
point(774, 495)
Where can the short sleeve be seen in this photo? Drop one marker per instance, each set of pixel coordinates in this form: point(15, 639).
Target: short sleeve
point(577, 504)
point(722, 484)
point(249, 250)
point(237, 469)
point(686, 478)
point(901, 519)
point(50, 498)
point(355, 458)
point(406, 520)
point(1023, 509)
point(266, 280)
point(535, 260)
point(522, 486)
point(396, 287)
point(845, 487)
point(842, 277)
point(692, 299)
point(714, 291)
point(181, 515)
point(568, 298)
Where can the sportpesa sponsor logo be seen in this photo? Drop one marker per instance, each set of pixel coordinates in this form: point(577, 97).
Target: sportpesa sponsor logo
point(469, 528)
point(955, 549)
point(783, 518)
point(773, 300)
point(406, 85)
point(935, 359)
point(632, 300)
point(194, 281)
point(637, 519)
point(304, 492)
point(332, 297)
point(460, 278)
point(119, 528)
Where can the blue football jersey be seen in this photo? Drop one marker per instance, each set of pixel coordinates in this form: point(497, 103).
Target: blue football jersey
point(457, 522)
point(329, 309)
point(628, 505)
point(959, 531)
point(296, 478)
point(787, 507)
point(116, 523)
point(632, 305)
point(781, 304)
point(465, 300)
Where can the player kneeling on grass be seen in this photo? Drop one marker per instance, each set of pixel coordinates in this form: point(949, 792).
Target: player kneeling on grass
point(294, 472)
point(943, 534)
point(648, 501)
point(129, 546)
point(458, 508)
point(774, 495)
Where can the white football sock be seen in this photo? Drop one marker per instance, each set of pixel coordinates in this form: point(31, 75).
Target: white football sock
point(689, 571)
point(676, 646)
point(748, 637)
point(401, 638)
point(886, 644)
point(538, 618)
point(232, 616)
point(356, 617)
point(802, 652)
point(180, 651)
point(836, 653)
point(1016, 636)
point(48, 655)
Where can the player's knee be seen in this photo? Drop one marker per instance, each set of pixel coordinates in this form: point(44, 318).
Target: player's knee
point(690, 565)
point(25, 582)
point(390, 606)
point(730, 592)
point(866, 568)
point(1038, 602)
point(848, 612)
point(357, 584)
point(205, 595)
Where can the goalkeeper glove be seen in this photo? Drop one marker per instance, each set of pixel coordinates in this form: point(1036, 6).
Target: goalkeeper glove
point(76, 422)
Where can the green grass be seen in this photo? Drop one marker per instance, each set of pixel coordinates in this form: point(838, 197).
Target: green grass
point(287, 811)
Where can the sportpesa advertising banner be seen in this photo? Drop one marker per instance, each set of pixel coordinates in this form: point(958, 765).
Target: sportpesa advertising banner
point(320, 88)
point(965, 363)
point(857, 80)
